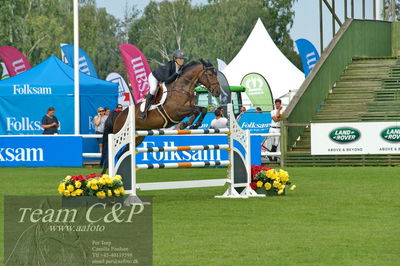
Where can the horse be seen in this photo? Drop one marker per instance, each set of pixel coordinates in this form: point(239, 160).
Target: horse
point(179, 103)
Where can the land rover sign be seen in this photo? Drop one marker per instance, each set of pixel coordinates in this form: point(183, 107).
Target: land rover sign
point(355, 138)
point(344, 135)
point(391, 134)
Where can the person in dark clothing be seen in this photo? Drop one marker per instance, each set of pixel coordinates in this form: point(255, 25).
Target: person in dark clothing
point(167, 73)
point(50, 122)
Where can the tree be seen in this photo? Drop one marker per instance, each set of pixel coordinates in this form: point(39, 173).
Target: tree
point(391, 10)
point(218, 29)
point(38, 27)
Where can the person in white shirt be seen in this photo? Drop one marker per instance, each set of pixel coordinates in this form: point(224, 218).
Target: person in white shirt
point(275, 126)
point(219, 121)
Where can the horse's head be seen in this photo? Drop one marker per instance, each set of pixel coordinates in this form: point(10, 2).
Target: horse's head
point(208, 77)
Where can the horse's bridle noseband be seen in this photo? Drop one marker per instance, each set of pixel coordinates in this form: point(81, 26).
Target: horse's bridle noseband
point(204, 71)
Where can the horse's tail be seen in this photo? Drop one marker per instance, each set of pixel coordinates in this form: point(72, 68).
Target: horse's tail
point(108, 129)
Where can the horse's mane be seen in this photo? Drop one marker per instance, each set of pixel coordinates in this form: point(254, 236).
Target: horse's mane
point(195, 63)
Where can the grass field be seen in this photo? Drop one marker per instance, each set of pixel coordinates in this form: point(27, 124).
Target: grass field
point(336, 216)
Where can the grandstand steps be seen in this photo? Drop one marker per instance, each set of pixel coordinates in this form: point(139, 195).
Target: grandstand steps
point(367, 91)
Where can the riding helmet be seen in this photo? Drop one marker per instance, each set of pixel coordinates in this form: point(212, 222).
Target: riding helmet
point(179, 54)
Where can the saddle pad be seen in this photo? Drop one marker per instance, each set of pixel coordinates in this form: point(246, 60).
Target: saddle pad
point(162, 101)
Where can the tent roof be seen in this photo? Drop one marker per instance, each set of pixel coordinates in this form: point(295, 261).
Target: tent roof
point(260, 55)
point(55, 73)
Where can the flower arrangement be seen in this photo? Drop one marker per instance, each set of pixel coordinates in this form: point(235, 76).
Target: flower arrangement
point(101, 186)
point(269, 180)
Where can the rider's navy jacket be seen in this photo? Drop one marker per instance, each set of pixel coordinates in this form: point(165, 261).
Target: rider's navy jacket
point(166, 73)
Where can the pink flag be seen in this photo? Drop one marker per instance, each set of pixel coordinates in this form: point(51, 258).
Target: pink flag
point(138, 70)
point(15, 61)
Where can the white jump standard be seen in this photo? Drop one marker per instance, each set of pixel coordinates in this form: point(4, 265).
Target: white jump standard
point(238, 164)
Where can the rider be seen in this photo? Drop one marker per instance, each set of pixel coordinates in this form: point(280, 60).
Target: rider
point(167, 73)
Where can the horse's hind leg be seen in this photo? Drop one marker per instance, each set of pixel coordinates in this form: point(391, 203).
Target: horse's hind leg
point(203, 111)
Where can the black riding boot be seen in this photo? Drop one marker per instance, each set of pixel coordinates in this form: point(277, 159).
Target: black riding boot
point(149, 99)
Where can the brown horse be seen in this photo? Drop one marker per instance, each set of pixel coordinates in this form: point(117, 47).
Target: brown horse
point(180, 102)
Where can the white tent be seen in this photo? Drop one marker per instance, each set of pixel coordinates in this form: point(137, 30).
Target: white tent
point(260, 55)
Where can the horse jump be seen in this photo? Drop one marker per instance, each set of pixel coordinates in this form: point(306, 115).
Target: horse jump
point(238, 163)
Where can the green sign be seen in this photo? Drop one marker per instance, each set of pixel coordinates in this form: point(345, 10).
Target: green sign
point(391, 134)
point(344, 135)
point(258, 91)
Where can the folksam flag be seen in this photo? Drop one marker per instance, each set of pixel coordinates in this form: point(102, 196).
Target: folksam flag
point(124, 94)
point(14, 60)
point(85, 64)
point(138, 70)
point(309, 55)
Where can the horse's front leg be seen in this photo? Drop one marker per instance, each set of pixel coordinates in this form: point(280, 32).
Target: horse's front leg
point(203, 111)
point(193, 112)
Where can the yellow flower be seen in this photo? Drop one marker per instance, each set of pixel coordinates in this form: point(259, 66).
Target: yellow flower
point(68, 177)
point(101, 194)
point(79, 192)
point(105, 175)
point(283, 175)
point(109, 193)
point(66, 193)
point(293, 187)
point(122, 190)
point(118, 177)
point(116, 192)
point(267, 186)
point(94, 187)
point(61, 188)
point(71, 188)
point(277, 184)
point(271, 174)
point(95, 181)
point(259, 183)
point(78, 184)
point(108, 181)
point(89, 184)
point(102, 182)
point(280, 191)
point(73, 193)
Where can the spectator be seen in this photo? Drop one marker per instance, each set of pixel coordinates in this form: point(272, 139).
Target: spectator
point(107, 111)
point(258, 110)
point(50, 122)
point(275, 126)
point(242, 111)
point(222, 111)
point(99, 122)
point(219, 121)
point(119, 107)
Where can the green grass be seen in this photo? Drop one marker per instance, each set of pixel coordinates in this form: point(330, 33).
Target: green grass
point(336, 216)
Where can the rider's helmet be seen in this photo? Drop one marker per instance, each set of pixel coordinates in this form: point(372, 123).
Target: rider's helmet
point(179, 54)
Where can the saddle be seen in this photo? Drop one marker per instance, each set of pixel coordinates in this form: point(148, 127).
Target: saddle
point(158, 100)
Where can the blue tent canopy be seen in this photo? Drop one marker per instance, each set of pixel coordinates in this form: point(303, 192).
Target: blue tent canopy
point(25, 98)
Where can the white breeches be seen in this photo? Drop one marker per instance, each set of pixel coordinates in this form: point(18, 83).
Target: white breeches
point(153, 82)
point(275, 139)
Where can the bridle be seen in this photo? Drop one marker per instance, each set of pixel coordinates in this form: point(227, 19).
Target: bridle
point(194, 81)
